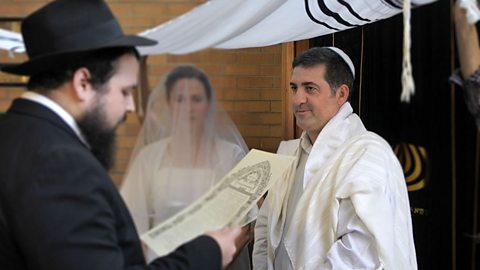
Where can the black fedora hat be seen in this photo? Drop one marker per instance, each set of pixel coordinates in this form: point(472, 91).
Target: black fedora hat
point(66, 28)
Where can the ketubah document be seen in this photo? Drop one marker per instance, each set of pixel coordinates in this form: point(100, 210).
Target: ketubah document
point(227, 203)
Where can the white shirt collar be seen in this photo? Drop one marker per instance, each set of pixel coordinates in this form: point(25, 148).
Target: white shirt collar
point(52, 105)
point(305, 142)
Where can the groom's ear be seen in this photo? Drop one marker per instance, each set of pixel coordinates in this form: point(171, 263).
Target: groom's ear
point(342, 93)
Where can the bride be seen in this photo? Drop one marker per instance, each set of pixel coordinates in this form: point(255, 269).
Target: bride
point(185, 146)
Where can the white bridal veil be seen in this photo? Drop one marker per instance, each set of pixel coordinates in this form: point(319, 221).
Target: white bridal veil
point(186, 144)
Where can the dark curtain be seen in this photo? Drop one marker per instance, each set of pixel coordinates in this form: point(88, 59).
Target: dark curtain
point(434, 136)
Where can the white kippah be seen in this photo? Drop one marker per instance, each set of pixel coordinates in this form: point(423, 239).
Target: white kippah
point(345, 58)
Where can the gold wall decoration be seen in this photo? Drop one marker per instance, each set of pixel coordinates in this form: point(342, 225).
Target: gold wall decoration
point(418, 211)
point(415, 164)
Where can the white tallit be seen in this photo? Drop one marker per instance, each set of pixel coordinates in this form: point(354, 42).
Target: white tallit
point(346, 161)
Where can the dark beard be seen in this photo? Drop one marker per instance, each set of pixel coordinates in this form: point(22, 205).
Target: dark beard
point(100, 137)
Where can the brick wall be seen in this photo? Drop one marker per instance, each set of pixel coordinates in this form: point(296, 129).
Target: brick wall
point(246, 81)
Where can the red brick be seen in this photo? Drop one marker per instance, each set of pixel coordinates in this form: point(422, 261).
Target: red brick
point(241, 95)
point(117, 178)
point(213, 69)
point(242, 69)
point(223, 81)
point(137, 22)
point(227, 106)
point(252, 106)
point(257, 118)
point(181, 8)
point(255, 82)
point(121, 165)
point(272, 49)
point(257, 58)
point(271, 70)
point(254, 130)
point(121, 10)
point(3, 93)
point(275, 94)
point(4, 105)
point(121, 129)
point(15, 92)
point(149, 9)
point(157, 59)
point(132, 119)
point(132, 129)
point(126, 142)
point(19, 9)
point(123, 153)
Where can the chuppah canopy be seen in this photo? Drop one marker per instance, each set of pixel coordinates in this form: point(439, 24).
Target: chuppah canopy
point(230, 24)
point(11, 41)
point(233, 24)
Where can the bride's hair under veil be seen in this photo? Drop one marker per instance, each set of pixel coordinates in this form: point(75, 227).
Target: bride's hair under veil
point(186, 144)
point(170, 93)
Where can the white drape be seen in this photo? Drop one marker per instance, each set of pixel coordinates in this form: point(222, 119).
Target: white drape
point(231, 24)
point(11, 41)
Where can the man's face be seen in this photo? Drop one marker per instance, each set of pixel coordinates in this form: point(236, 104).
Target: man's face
point(117, 99)
point(313, 101)
point(109, 109)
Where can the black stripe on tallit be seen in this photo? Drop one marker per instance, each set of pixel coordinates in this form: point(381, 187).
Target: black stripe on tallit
point(307, 9)
point(392, 4)
point(336, 16)
point(398, 3)
point(353, 12)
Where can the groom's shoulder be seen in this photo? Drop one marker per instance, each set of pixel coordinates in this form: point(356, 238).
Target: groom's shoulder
point(288, 147)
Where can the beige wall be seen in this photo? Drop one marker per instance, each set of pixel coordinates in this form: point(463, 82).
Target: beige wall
point(247, 81)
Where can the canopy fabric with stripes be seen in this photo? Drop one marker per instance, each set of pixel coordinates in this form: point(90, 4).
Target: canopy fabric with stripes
point(230, 24)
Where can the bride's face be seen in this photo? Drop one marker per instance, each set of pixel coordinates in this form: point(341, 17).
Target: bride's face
point(189, 102)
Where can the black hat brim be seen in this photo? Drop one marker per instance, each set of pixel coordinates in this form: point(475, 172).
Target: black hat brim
point(45, 62)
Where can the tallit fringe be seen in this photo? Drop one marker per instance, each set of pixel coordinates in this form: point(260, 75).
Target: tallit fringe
point(408, 85)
